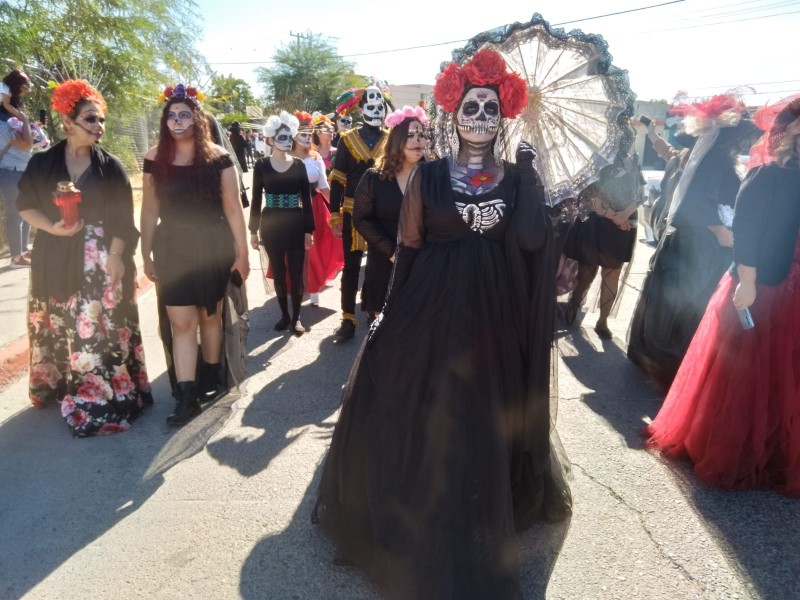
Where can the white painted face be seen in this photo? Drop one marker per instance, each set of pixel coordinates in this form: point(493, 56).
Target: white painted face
point(283, 139)
point(179, 119)
point(303, 137)
point(374, 109)
point(478, 116)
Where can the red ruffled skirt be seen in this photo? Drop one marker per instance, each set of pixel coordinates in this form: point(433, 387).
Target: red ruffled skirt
point(326, 257)
point(734, 407)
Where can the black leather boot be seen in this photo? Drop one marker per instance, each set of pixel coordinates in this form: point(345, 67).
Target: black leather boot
point(208, 386)
point(187, 407)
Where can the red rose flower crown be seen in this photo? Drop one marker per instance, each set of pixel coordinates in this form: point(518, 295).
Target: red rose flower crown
point(485, 68)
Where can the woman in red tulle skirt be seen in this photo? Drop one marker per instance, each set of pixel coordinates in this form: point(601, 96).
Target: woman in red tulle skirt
point(734, 407)
point(326, 257)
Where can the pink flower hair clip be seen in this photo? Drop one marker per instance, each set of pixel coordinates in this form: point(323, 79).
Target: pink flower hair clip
point(407, 112)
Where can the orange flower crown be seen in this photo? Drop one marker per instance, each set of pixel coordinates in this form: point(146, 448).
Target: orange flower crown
point(69, 93)
point(485, 68)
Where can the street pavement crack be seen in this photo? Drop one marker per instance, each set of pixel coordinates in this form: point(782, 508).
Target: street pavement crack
point(640, 516)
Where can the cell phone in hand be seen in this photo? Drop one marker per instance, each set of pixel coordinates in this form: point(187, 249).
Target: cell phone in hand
point(745, 318)
point(644, 120)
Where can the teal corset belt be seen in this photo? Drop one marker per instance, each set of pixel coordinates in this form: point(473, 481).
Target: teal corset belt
point(281, 200)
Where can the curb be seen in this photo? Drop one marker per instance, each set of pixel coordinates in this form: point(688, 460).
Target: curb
point(14, 357)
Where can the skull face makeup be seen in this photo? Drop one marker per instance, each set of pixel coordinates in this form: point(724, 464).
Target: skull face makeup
point(343, 124)
point(303, 138)
point(478, 116)
point(179, 118)
point(283, 139)
point(374, 109)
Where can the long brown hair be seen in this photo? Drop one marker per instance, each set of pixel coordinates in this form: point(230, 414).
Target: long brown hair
point(785, 150)
point(165, 151)
point(391, 161)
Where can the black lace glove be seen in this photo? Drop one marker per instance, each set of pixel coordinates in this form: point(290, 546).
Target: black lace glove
point(526, 155)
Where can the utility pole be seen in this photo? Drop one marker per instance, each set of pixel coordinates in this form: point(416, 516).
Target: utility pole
point(298, 37)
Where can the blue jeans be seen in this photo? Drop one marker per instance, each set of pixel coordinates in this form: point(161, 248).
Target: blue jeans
point(17, 230)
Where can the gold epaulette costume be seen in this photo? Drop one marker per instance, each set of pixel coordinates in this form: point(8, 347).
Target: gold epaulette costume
point(361, 152)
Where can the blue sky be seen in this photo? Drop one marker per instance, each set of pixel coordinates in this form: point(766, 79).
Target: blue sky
point(701, 46)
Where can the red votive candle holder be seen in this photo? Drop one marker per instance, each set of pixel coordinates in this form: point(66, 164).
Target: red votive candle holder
point(66, 198)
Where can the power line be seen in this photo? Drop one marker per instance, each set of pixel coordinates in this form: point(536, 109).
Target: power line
point(423, 46)
point(720, 22)
point(621, 12)
point(727, 87)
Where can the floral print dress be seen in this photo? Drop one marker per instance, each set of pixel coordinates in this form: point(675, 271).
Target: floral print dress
point(87, 352)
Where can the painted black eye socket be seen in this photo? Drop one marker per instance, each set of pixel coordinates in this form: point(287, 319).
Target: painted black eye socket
point(470, 108)
point(492, 108)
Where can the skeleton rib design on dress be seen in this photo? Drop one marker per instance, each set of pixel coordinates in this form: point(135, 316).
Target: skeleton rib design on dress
point(482, 216)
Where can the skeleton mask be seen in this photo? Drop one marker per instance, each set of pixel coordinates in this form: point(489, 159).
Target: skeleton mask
point(344, 123)
point(374, 108)
point(478, 116)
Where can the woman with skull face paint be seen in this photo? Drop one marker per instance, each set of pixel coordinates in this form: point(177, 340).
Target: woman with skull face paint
point(86, 347)
point(325, 257)
point(442, 449)
point(193, 242)
point(286, 223)
point(376, 207)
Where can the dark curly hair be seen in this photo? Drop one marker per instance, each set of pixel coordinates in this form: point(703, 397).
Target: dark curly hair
point(203, 151)
point(391, 161)
point(15, 80)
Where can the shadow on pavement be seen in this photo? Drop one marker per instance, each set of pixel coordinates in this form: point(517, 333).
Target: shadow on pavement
point(295, 400)
point(619, 393)
point(759, 531)
point(59, 494)
point(297, 563)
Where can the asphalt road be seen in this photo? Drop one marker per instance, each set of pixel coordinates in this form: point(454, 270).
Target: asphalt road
point(220, 509)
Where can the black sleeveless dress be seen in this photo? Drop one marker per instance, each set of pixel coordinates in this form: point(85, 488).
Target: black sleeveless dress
point(193, 248)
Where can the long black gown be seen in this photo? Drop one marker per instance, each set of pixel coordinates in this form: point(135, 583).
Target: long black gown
point(683, 273)
point(442, 446)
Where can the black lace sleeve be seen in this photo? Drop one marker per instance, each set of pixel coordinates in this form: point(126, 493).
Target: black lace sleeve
point(364, 218)
point(411, 230)
point(530, 220)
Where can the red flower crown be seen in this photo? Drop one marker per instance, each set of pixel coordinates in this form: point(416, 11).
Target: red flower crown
point(67, 94)
point(303, 117)
point(485, 68)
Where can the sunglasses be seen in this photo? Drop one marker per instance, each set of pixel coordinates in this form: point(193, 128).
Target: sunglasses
point(92, 120)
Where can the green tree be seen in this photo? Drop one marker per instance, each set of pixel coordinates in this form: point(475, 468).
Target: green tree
point(308, 75)
point(128, 49)
point(228, 94)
